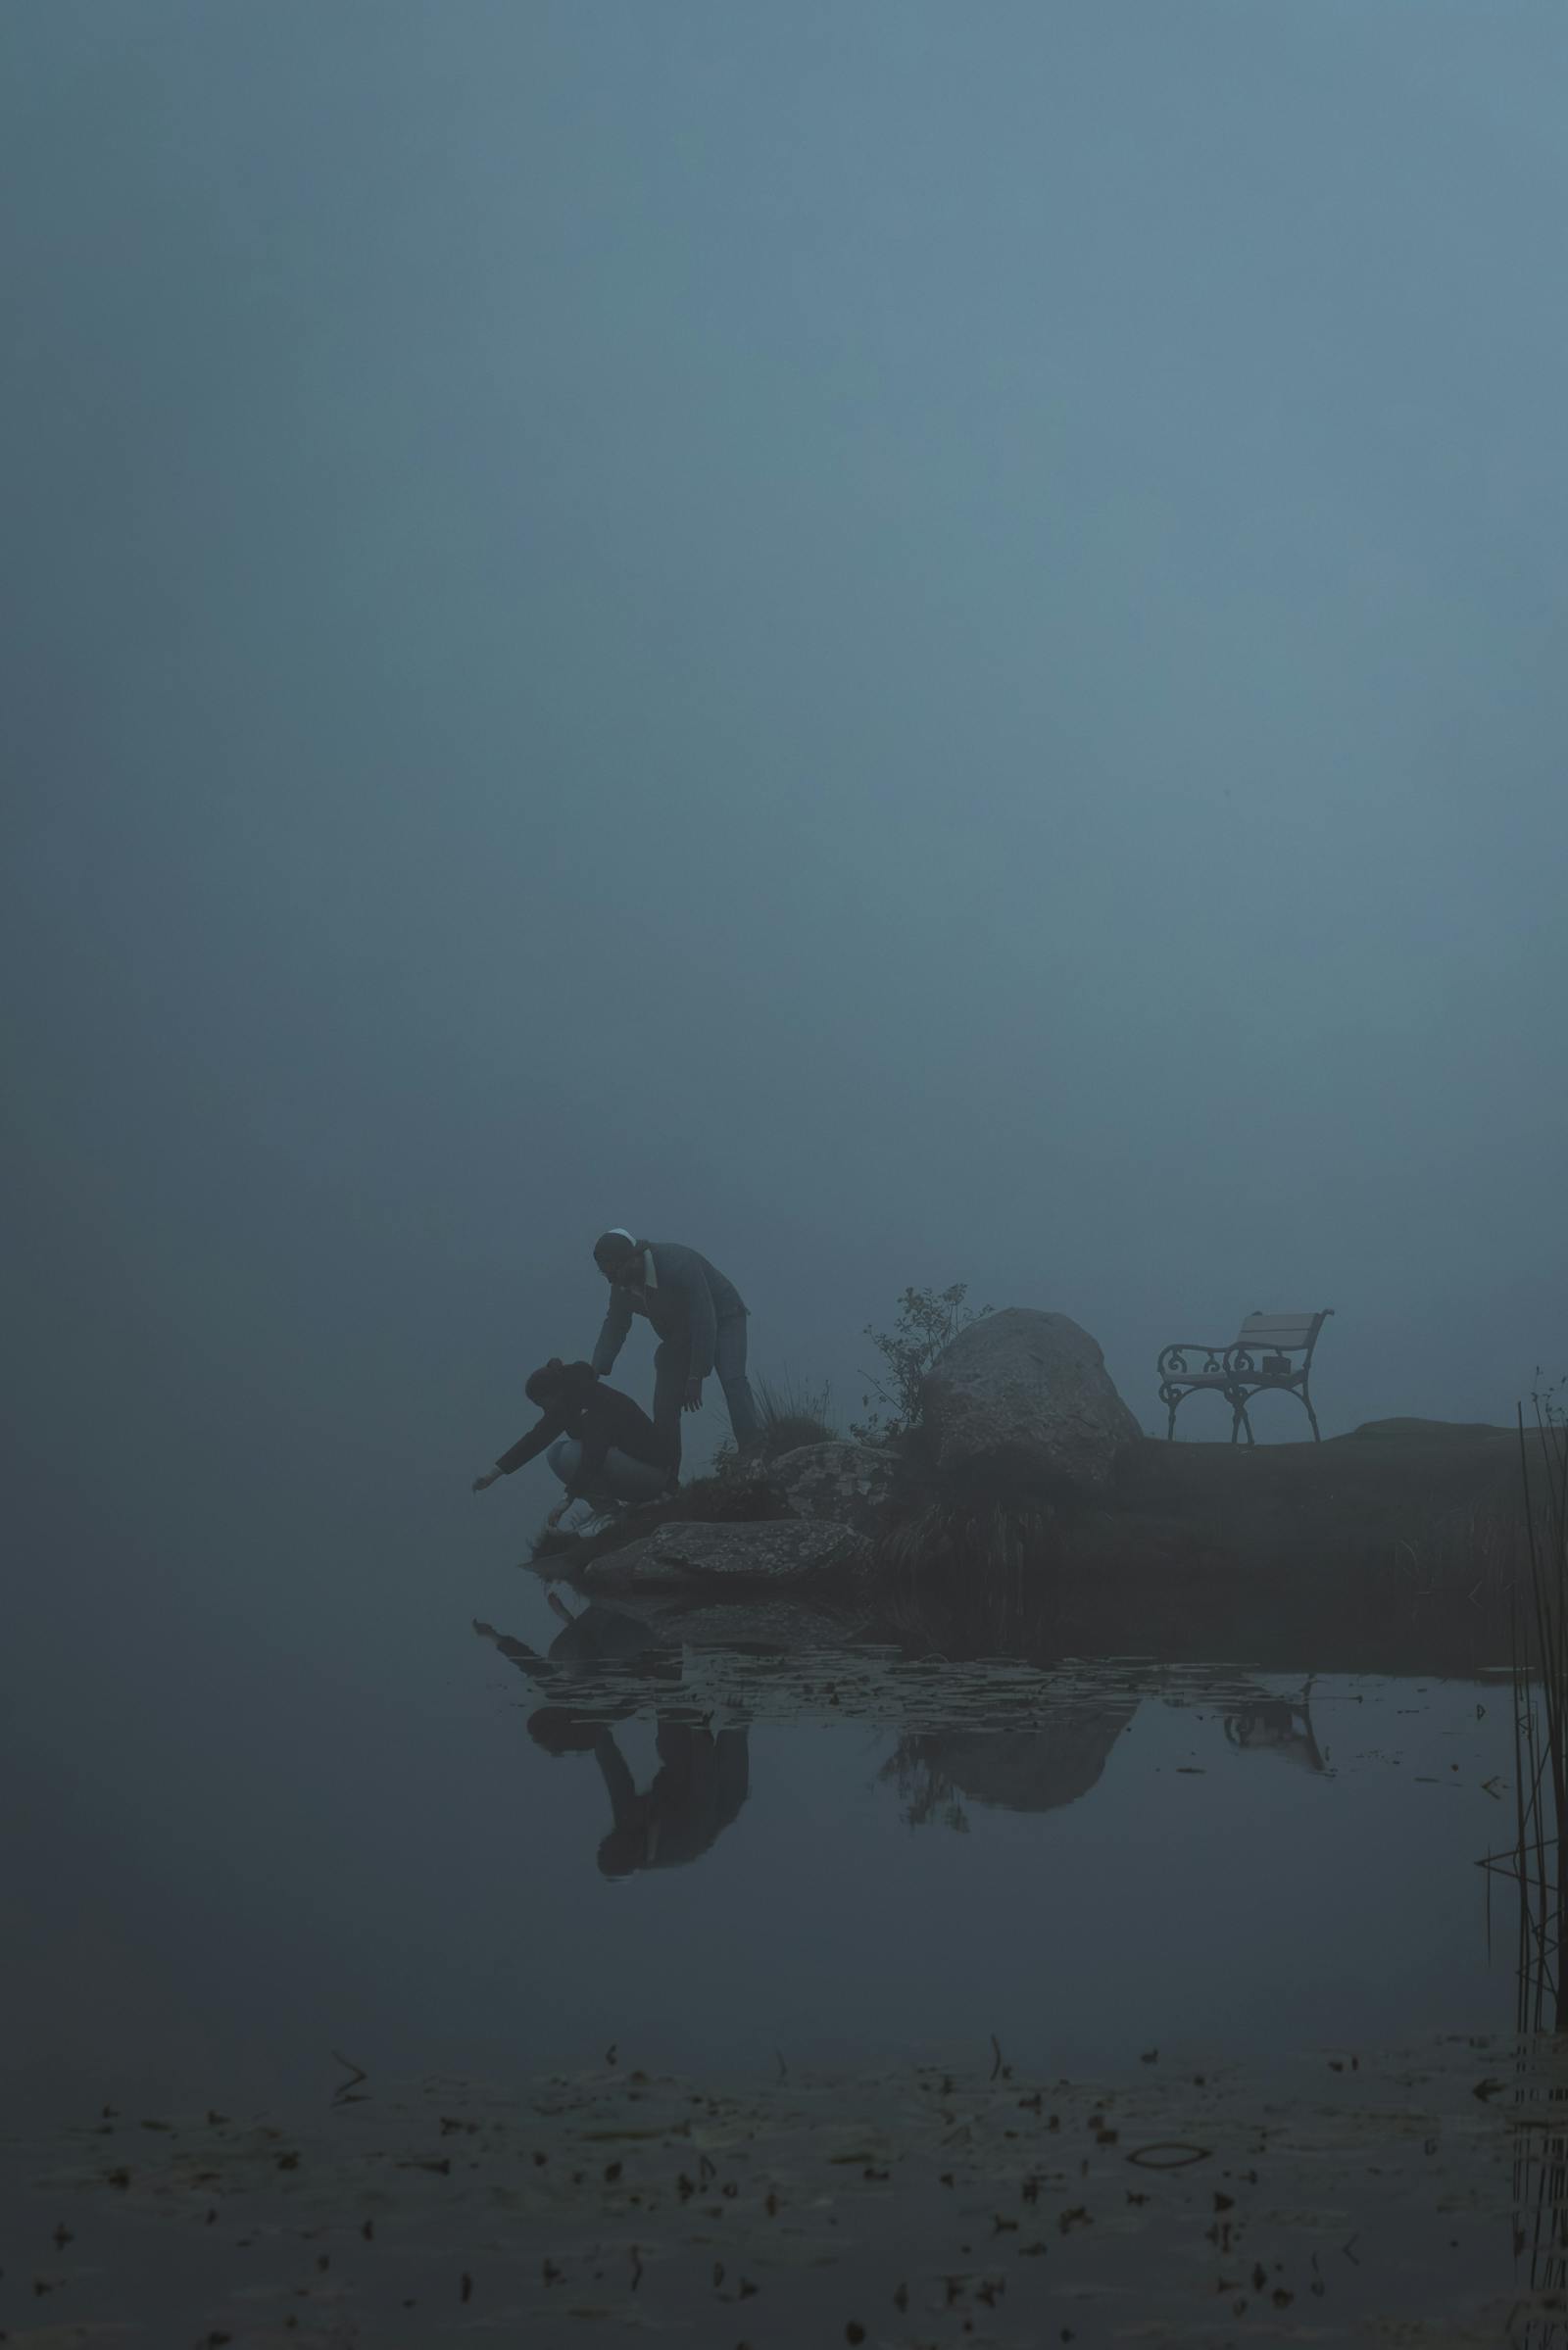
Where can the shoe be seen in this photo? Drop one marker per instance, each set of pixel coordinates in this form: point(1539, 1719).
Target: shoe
point(596, 1514)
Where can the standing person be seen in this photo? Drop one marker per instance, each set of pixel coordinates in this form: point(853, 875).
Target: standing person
point(699, 1318)
point(603, 1446)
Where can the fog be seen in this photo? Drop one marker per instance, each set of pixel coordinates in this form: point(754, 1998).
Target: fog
point(908, 644)
point(910, 649)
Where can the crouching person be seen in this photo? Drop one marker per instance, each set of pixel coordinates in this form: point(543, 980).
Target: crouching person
point(599, 1442)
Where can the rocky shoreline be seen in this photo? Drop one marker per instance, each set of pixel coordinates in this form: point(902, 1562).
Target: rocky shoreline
point(1028, 1466)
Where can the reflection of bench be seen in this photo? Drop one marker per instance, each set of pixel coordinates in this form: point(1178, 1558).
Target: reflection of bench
point(1257, 1363)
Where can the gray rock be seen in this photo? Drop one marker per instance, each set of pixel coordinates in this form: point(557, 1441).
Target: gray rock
point(768, 1551)
point(847, 1485)
point(1026, 1395)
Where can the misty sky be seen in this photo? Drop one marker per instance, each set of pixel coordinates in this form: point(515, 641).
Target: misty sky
point(910, 643)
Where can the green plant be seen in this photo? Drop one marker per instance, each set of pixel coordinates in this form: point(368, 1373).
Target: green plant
point(927, 1321)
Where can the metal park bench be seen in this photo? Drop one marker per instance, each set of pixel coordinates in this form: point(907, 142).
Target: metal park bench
point(1259, 1362)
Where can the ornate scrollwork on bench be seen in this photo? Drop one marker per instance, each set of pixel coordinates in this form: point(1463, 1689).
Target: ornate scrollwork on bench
point(1273, 1352)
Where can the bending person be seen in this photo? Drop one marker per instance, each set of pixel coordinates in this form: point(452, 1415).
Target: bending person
point(699, 1318)
point(603, 1446)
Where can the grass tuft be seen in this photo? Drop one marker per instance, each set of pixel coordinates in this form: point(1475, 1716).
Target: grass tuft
point(791, 1415)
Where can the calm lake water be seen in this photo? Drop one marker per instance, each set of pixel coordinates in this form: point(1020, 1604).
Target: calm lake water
point(439, 1828)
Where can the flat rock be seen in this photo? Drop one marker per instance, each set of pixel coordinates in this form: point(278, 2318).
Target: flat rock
point(1025, 1396)
point(842, 1484)
point(769, 1551)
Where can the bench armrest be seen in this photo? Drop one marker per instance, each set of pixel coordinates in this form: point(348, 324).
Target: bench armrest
point(1173, 1361)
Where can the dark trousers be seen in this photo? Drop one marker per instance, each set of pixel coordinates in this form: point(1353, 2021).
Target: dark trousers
point(672, 1374)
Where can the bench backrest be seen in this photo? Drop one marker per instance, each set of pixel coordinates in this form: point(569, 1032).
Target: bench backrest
point(1279, 1334)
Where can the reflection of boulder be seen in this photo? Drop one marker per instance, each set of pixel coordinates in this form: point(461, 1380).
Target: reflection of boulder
point(1010, 1770)
point(1026, 1395)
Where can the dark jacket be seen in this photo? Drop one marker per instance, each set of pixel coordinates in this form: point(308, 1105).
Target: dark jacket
point(689, 1300)
point(603, 1418)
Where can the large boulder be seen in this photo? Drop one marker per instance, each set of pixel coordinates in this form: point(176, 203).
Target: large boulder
point(766, 1553)
point(845, 1484)
point(1025, 1398)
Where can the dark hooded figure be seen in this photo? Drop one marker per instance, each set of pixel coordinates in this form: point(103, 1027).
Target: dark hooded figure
point(699, 1318)
point(601, 1445)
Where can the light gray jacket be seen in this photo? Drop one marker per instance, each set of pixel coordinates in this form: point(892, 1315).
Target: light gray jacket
point(689, 1299)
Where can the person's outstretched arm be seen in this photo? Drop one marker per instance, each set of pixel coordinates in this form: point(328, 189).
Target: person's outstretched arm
point(527, 1447)
point(613, 1335)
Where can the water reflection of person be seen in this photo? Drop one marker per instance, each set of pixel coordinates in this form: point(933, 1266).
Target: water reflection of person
point(702, 1780)
point(596, 1641)
point(704, 1775)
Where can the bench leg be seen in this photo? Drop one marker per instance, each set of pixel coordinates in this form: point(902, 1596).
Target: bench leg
point(1175, 1404)
point(1240, 1420)
point(1312, 1416)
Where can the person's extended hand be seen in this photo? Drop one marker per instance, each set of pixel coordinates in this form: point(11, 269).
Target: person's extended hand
point(484, 1478)
point(693, 1399)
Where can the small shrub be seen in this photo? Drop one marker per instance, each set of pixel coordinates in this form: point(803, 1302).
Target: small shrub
point(927, 1322)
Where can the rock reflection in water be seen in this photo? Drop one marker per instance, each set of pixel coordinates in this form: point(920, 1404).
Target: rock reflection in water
point(1009, 1770)
point(1056, 1764)
point(1009, 1734)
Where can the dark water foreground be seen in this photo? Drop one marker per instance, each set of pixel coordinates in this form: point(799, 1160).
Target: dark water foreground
point(1410, 2197)
point(766, 1981)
